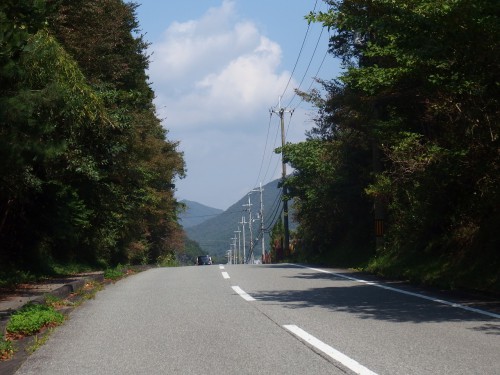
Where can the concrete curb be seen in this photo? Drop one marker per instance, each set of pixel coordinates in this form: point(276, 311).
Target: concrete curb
point(71, 287)
point(60, 290)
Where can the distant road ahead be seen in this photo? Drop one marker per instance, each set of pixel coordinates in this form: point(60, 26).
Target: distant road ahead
point(268, 319)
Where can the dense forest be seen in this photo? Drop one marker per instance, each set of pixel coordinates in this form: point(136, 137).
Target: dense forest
point(86, 170)
point(400, 173)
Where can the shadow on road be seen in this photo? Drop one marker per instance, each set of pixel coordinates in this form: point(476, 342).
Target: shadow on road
point(369, 302)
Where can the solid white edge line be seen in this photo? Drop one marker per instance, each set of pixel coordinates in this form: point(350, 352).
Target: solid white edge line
point(225, 275)
point(243, 294)
point(452, 304)
point(329, 351)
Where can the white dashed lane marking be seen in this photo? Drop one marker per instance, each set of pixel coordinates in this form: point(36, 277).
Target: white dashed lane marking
point(243, 294)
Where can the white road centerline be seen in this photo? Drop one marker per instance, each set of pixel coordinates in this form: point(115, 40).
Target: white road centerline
point(243, 294)
point(221, 266)
point(452, 304)
point(225, 275)
point(329, 351)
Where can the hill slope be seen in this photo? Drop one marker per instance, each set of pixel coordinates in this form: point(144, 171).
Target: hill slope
point(196, 213)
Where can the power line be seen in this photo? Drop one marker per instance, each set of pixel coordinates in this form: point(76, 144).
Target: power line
point(275, 209)
point(222, 213)
point(308, 66)
point(315, 78)
point(265, 149)
point(271, 156)
point(275, 216)
point(300, 52)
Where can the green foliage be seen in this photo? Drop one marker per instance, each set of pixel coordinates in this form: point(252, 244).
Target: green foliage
point(52, 301)
point(421, 90)
point(330, 204)
point(115, 273)
point(276, 242)
point(168, 260)
point(32, 318)
point(70, 268)
point(87, 171)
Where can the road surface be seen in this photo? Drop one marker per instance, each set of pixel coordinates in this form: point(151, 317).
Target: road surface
point(269, 319)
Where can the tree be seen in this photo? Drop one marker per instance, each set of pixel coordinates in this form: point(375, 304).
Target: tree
point(421, 84)
point(144, 163)
point(87, 170)
point(45, 116)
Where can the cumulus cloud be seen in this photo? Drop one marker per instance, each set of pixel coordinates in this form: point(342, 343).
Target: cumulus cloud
point(214, 70)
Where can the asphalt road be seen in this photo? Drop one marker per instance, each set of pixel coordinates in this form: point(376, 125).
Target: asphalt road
point(268, 319)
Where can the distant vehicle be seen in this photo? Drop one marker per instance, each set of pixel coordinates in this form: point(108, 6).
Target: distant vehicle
point(203, 260)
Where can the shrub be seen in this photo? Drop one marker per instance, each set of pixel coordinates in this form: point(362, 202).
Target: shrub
point(32, 318)
point(115, 273)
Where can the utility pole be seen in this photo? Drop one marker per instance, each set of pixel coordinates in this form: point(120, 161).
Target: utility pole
point(281, 113)
point(233, 245)
point(243, 222)
point(239, 244)
point(249, 209)
point(261, 215)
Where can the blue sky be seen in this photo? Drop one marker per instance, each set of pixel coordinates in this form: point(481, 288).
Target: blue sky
point(217, 66)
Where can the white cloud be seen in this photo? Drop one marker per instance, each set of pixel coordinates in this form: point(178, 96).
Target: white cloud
point(215, 70)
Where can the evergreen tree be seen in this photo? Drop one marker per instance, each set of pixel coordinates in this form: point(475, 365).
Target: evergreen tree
point(86, 171)
point(421, 88)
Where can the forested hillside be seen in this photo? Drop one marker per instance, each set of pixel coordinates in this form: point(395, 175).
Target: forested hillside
point(406, 141)
point(86, 170)
point(196, 213)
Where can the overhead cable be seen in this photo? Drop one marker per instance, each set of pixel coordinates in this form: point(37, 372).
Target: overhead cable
point(307, 69)
point(300, 53)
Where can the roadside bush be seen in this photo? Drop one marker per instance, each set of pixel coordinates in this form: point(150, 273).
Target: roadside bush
point(32, 318)
point(168, 260)
point(115, 273)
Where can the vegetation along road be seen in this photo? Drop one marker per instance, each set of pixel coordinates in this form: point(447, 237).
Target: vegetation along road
point(269, 319)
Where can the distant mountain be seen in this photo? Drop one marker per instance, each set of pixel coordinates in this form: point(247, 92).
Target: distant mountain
point(196, 213)
point(214, 235)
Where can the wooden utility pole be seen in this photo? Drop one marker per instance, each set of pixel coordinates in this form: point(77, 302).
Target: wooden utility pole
point(261, 217)
point(250, 224)
point(239, 245)
point(281, 113)
point(243, 222)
